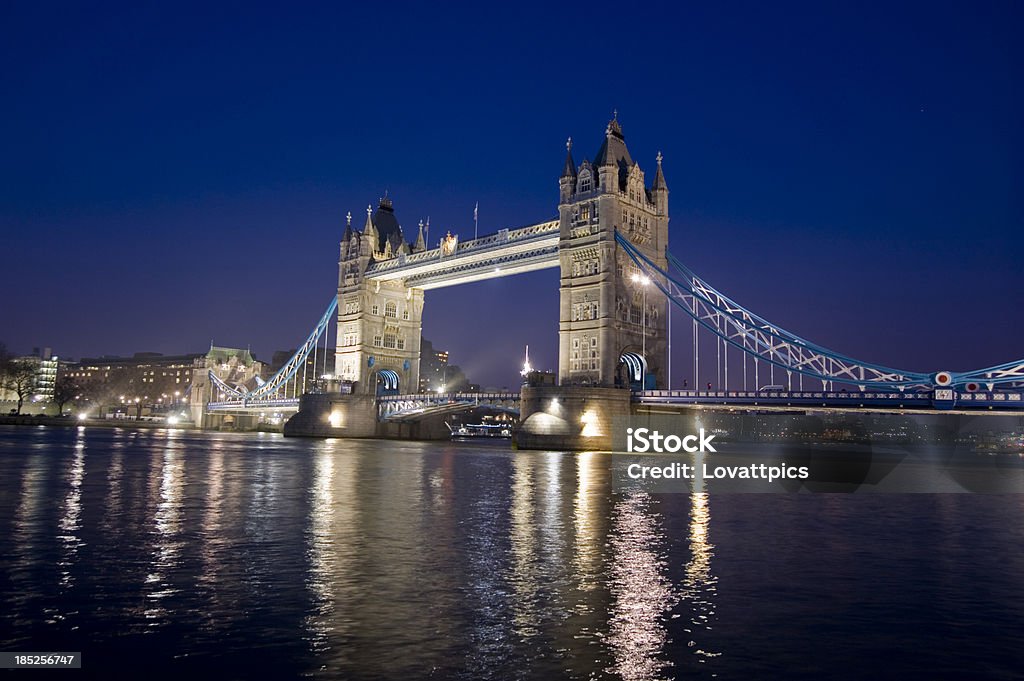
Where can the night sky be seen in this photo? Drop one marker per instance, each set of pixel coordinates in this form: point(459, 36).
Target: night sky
point(172, 174)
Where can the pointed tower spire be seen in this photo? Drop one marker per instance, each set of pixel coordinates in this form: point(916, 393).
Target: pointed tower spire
point(369, 231)
point(570, 165)
point(348, 227)
point(421, 243)
point(659, 177)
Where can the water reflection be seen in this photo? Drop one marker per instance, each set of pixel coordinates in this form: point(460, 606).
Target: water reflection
point(524, 549)
point(166, 536)
point(332, 552)
point(641, 590)
point(115, 479)
point(589, 485)
point(213, 545)
point(71, 517)
point(389, 560)
point(29, 532)
point(699, 584)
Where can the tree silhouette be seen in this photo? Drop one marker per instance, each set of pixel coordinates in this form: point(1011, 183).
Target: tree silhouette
point(19, 376)
point(65, 389)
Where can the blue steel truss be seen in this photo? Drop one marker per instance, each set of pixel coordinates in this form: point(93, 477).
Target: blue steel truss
point(265, 392)
point(287, 372)
point(225, 388)
point(770, 343)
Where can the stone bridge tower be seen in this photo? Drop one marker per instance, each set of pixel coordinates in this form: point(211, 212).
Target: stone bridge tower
point(379, 322)
point(602, 303)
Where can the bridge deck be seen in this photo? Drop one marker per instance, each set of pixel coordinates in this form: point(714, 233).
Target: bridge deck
point(284, 404)
point(978, 401)
point(507, 252)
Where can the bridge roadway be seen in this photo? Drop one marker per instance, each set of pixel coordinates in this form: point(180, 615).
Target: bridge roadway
point(411, 407)
point(406, 407)
point(507, 252)
point(285, 404)
point(417, 406)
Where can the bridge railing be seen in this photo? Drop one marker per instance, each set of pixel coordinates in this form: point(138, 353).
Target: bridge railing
point(240, 405)
point(1014, 400)
point(448, 397)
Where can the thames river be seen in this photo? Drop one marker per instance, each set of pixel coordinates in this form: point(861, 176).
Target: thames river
point(180, 554)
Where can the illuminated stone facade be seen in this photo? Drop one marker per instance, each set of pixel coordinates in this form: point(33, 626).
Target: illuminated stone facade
point(379, 322)
point(603, 311)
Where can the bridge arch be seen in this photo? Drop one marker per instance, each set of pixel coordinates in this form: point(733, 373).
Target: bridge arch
point(632, 369)
point(388, 382)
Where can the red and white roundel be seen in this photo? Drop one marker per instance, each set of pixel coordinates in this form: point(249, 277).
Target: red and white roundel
point(943, 378)
point(972, 387)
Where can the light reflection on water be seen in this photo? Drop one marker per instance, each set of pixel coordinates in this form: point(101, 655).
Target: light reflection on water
point(641, 591)
point(71, 519)
point(166, 537)
point(258, 556)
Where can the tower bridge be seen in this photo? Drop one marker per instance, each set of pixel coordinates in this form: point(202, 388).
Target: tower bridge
point(618, 282)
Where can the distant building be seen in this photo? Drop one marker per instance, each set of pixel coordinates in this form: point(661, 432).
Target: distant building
point(45, 364)
point(46, 374)
point(436, 373)
point(154, 380)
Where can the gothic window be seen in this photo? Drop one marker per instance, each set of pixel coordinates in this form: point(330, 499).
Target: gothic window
point(401, 344)
point(390, 309)
point(585, 212)
point(586, 182)
point(377, 341)
point(634, 314)
point(390, 341)
point(350, 336)
point(375, 310)
point(405, 312)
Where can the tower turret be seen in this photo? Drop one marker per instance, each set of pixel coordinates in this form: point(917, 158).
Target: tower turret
point(368, 244)
point(659, 192)
point(567, 182)
point(421, 243)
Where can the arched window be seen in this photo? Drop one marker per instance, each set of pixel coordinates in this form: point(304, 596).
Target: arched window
point(586, 182)
point(390, 309)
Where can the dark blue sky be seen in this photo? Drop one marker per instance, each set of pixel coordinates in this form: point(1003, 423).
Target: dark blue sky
point(171, 174)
